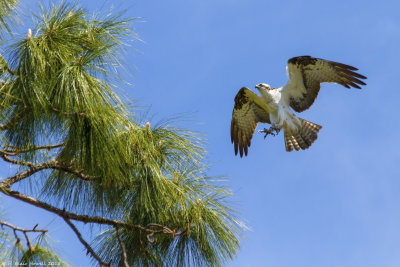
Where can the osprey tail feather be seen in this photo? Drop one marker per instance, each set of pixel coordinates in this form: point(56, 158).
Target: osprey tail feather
point(303, 137)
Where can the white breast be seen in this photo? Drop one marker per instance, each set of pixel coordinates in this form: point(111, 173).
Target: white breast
point(276, 95)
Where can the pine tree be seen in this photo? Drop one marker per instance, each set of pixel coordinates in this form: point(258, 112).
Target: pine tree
point(144, 188)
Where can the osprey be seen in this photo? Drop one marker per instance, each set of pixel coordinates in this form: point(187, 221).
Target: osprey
point(273, 106)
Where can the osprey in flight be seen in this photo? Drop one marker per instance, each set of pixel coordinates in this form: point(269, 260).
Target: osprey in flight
point(273, 106)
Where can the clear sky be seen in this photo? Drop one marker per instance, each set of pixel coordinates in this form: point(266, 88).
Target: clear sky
point(335, 204)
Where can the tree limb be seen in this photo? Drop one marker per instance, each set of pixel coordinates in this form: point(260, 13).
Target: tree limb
point(87, 246)
point(16, 151)
point(51, 164)
point(150, 229)
point(6, 66)
point(123, 248)
point(11, 71)
point(67, 216)
point(54, 164)
point(64, 167)
point(14, 161)
point(24, 231)
point(28, 242)
point(14, 120)
point(2, 223)
point(69, 114)
point(6, 183)
point(91, 219)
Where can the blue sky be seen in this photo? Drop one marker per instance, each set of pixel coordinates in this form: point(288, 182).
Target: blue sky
point(336, 204)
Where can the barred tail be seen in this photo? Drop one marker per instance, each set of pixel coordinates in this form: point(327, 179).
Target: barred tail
point(305, 135)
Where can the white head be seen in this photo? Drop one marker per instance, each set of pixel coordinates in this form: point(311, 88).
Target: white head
point(263, 86)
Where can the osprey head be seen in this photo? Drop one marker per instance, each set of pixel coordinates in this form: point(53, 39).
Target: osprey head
point(263, 86)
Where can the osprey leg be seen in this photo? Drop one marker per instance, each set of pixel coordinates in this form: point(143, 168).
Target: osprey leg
point(270, 131)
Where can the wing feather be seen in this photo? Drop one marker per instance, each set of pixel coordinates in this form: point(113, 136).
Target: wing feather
point(306, 75)
point(248, 111)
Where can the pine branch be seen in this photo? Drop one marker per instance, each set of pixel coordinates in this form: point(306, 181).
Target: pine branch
point(123, 248)
point(77, 173)
point(5, 66)
point(94, 219)
point(13, 120)
point(28, 242)
point(67, 216)
point(69, 114)
point(51, 164)
point(2, 223)
point(5, 157)
point(87, 246)
point(14, 152)
point(11, 71)
point(6, 183)
point(24, 231)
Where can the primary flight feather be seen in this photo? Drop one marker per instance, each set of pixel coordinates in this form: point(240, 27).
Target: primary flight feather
point(273, 106)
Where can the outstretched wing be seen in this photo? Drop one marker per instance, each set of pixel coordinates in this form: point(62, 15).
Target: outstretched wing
point(248, 111)
point(307, 73)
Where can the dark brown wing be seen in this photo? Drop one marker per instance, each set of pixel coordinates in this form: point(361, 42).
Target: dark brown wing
point(307, 73)
point(249, 110)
